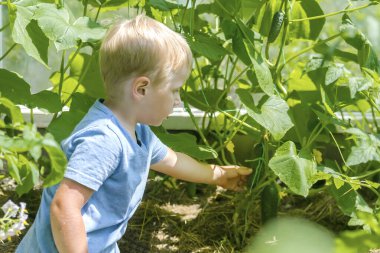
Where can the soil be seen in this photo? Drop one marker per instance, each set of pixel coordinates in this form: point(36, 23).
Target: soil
point(173, 218)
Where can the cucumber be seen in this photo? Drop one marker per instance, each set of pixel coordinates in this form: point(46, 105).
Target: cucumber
point(278, 19)
point(269, 202)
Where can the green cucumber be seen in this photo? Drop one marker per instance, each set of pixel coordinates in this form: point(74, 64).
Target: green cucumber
point(269, 202)
point(278, 19)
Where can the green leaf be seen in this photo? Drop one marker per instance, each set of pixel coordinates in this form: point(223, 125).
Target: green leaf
point(272, 114)
point(367, 57)
point(163, 5)
point(29, 176)
point(27, 33)
point(55, 23)
point(47, 100)
point(62, 126)
point(366, 149)
point(262, 71)
point(357, 241)
point(348, 200)
point(57, 161)
point(209, 47)
point(11, 110)
point(333, 73)
point(359, 84)
point(13, 167)
point(296, 172)
point(14, 87)
point(307, 29)
point(351, 34)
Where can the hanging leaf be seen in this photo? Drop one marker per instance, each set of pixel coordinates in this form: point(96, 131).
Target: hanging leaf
point(261, 68)
point(272, 114)
point(27, 33)
point(296, 172)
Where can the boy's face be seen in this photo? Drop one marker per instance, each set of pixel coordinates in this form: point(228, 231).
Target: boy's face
point(160, 100)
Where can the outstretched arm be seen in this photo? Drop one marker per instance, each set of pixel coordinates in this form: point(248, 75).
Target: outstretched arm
point(184, 167)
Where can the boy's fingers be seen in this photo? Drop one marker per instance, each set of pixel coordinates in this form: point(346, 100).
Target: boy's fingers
point(244, 171)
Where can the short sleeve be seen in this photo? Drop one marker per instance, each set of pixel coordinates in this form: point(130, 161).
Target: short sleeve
point(95, 156)
point(159, 150)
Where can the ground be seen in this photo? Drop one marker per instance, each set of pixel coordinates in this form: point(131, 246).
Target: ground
point(173, 218)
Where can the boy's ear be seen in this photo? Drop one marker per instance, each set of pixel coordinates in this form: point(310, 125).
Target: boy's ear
point(140, 85)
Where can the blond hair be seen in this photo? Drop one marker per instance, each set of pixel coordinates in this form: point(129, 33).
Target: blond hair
point(142, 47)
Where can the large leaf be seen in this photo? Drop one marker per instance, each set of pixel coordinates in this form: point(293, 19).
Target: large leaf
point(56, 25)
point(261, 68)
point(272, 114)
point(28, 34)
point(366, 149)
point(296, 172)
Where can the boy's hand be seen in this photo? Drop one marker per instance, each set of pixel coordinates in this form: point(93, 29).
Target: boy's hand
point(231, 177)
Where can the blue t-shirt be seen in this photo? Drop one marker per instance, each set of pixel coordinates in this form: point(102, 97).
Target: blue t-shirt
point(102, 156)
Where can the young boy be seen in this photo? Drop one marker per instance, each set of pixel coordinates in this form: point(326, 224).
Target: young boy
point(143, 64)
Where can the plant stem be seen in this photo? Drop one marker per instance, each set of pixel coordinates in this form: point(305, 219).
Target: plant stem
point(98, 12)
point(85, 7)
point(238, 120)
point(284, 33)
point(367, 174)
point(61, 77)
point(4, 27)
point(8, 51)
point(334, 13)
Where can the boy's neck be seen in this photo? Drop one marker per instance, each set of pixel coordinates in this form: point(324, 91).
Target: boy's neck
point(121, 114)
